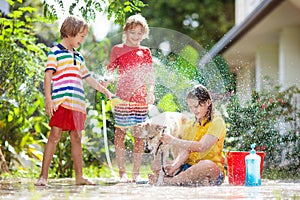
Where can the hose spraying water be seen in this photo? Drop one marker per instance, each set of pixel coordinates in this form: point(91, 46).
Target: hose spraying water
point(105, 137)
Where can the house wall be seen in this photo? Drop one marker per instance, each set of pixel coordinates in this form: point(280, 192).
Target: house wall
point(279, 64)
point(245, 82)
point(4, 6)
point(275, 58)
point(245, 72)
point(243, 8)
point(289, 57)
point(266, 67)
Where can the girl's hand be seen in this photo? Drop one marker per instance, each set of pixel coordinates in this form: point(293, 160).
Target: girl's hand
point(50, 108)
point(170, 170)
point(166, 138)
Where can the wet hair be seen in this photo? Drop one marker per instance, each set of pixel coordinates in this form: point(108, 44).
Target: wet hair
point(71, 26)
point(135, 20)
point(200, 93)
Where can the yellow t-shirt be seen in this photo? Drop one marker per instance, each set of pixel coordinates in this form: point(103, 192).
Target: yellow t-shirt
point(195, 132)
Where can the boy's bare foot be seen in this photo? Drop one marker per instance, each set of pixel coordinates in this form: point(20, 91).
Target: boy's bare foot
point(124, 178)
point(41, 182)
point(84, 181)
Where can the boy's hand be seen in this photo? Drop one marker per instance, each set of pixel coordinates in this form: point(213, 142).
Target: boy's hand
point(104, 83)
point(110, 95)
point(50, 108)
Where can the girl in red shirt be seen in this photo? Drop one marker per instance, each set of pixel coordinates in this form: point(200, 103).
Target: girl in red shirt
point(135, 87)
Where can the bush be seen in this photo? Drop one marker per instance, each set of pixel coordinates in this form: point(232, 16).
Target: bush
point(21, 60)
point(271, 120)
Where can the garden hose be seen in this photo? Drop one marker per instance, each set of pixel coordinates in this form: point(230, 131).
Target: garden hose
point(105, 137)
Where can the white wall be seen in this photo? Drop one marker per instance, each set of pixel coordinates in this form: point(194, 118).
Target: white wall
point(4, 6)
point(289, 57)
point(245, 81)
point(267, 71)
point(243, 8)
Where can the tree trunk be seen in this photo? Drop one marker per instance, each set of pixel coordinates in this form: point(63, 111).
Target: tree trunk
point(3, 165)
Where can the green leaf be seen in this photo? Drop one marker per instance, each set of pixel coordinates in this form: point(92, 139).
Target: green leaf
point(167, 103)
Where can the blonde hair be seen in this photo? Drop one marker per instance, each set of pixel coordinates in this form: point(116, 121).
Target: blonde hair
point(71, 26)
point(133, 21)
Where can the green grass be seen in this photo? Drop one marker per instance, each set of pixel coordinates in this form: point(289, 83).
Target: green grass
point(91, 172)
point(104, 171)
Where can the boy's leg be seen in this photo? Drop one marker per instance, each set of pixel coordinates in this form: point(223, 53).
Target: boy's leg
point(120, 152)
point(53, 139)
point(75, 137)
point(138, 155)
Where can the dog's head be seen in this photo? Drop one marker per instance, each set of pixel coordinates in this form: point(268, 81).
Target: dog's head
point(152, 134)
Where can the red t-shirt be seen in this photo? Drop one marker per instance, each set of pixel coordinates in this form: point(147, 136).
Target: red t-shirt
point(135, 70)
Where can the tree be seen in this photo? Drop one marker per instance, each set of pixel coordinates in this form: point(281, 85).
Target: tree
point(205, 21)
point(89, 8)
point(21, 61)
point(3, 165)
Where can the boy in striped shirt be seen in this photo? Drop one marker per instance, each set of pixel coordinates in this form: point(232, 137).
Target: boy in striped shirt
point(65, 102)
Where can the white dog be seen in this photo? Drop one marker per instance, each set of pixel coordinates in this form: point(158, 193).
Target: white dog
point(169, 123)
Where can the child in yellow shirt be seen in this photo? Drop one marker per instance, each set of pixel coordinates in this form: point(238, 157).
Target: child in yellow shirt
point(201, 160)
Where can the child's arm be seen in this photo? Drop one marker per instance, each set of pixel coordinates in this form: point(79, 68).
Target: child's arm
point(206, 142)
point(49, 105)
point(177, 163)
point(96, 85)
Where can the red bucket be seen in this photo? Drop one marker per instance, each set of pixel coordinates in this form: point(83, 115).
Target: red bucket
point(236, 166)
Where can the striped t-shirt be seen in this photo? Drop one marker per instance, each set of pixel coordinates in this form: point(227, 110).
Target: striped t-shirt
point(69, 70)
